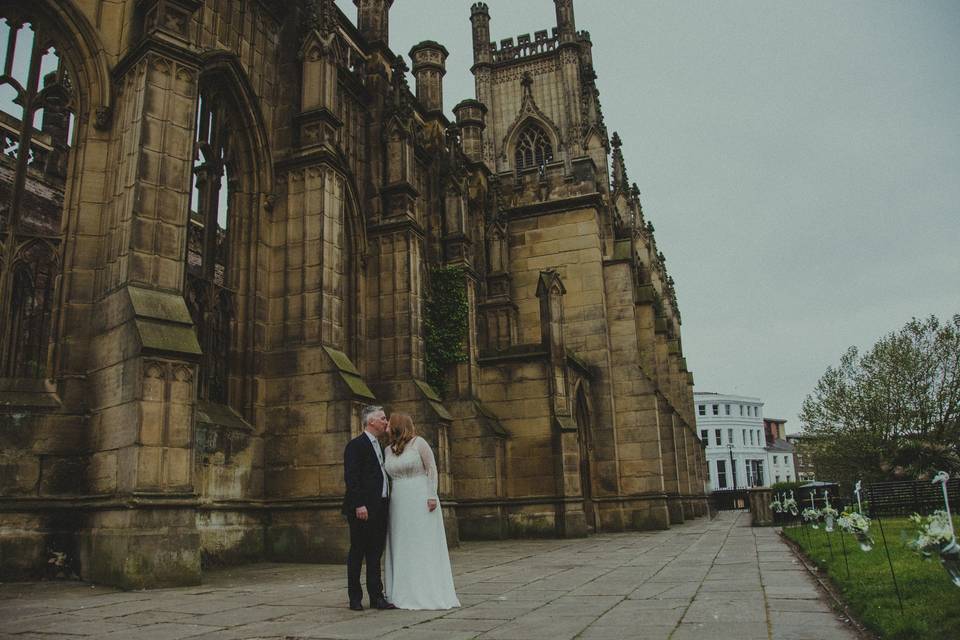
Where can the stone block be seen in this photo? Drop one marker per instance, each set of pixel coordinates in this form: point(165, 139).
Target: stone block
point(481, 526)
point(102, 472)
point(19, 476)
point(179, 425)
point(62, 475)
point(292, 482)
point(482, 487)
point(229, 538)
point(58, 435)
point(170, 241)
point(675, 509)
point(150, 549)
point(151, 422)
point(532, 523)
point(314, 536)
point(112, 384)
point(176, 468)
point(115, 427)
point(148, 467)
point(169, 271)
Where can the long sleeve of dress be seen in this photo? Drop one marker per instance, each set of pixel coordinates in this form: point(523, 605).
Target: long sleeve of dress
point(429, 465)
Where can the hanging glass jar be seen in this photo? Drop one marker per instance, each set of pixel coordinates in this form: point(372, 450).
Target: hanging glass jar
point(950, 559)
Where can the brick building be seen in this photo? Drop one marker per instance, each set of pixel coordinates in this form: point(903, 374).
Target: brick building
point(254, 215)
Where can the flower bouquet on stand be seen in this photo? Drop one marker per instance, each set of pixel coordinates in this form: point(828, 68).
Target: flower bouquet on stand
point(934, 536)
point(776, 506)
point(829, 515)
point(790, 505)
point(858, 526)
point(812, 516)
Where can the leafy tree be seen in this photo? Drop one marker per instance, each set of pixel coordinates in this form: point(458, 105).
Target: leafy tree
point(892, 413)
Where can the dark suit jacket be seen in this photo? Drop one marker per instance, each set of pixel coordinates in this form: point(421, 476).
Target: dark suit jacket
point(362, 476)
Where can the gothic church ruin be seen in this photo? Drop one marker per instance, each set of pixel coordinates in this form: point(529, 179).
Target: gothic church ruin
point(227, 225)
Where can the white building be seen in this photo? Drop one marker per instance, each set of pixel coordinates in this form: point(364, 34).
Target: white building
point(740, 451)
point(782, 462)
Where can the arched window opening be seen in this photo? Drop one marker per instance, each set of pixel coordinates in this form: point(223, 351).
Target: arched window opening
point(533, 148)
point(30, 312)
point(585, 434)
point(210, 293)
point(36, 130)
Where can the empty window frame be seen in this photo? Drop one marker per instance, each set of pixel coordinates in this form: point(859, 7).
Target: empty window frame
point(533, 148)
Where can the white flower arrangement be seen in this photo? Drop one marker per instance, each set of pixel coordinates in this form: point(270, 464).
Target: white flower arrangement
point(812, 516)
point(789, 504)
point(933, 533)
point(857, 525)
point(776, 505)
point(829, 515)
point(854, 523)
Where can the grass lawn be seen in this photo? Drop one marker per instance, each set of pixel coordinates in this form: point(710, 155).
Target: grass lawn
point(931, 603)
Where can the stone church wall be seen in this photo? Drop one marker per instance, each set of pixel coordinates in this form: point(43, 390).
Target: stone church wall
point(241, 238)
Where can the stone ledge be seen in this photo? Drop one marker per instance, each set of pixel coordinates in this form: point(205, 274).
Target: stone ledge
point(32, 393)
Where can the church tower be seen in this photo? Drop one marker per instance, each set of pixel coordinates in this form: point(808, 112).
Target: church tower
point(575, 270)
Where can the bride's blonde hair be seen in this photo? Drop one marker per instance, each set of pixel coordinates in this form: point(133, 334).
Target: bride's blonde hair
point(402, 432)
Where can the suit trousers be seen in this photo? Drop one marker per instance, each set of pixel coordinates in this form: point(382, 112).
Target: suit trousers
point(367, 541)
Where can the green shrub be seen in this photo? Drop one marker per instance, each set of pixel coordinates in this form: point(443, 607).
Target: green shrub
point(445, 318)
point(787, 487)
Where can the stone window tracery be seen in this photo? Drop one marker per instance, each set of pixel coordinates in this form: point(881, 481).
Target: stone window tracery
point(209, 291)
point(36, 122)
point(533, 148)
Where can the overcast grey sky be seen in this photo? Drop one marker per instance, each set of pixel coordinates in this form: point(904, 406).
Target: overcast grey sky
point(800, 161)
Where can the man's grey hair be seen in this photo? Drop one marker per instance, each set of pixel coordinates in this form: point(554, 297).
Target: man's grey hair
point(367, 413)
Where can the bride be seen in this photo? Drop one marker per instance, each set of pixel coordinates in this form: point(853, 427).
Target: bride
point(417, 565)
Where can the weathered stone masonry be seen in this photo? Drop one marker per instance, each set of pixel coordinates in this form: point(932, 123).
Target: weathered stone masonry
point(219, 244)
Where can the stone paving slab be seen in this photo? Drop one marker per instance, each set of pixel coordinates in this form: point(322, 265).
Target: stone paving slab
point(704, 579)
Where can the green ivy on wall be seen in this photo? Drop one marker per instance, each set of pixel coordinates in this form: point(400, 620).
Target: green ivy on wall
point(446, 313)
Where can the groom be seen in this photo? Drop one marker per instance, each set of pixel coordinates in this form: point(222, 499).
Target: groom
point(365, 505)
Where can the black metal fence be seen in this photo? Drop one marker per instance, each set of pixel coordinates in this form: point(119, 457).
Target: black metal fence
point(730, 499)
point(905, 498)
point(879, 499)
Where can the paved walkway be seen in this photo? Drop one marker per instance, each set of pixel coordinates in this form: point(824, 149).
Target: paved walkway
point(704, 580)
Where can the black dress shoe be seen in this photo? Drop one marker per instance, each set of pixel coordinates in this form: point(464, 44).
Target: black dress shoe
point(381, 603)
point(356, 606)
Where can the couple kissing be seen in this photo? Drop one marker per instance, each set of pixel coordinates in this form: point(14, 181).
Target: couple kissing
point(391, 505)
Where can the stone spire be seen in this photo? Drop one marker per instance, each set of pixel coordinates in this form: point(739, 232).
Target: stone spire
point(471, 116)
point(429, 66)
point(566, 24)
point(320, 15)
point(480, 19)
point(373, 20)
point(620, 180)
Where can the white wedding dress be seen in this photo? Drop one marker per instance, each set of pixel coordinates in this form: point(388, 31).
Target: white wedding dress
point(417, 565)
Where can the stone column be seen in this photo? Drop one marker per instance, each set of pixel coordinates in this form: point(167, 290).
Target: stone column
point(668, 454)
point(635, 452)
point(572, 520)
point(761, 515)
point(144, 351)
